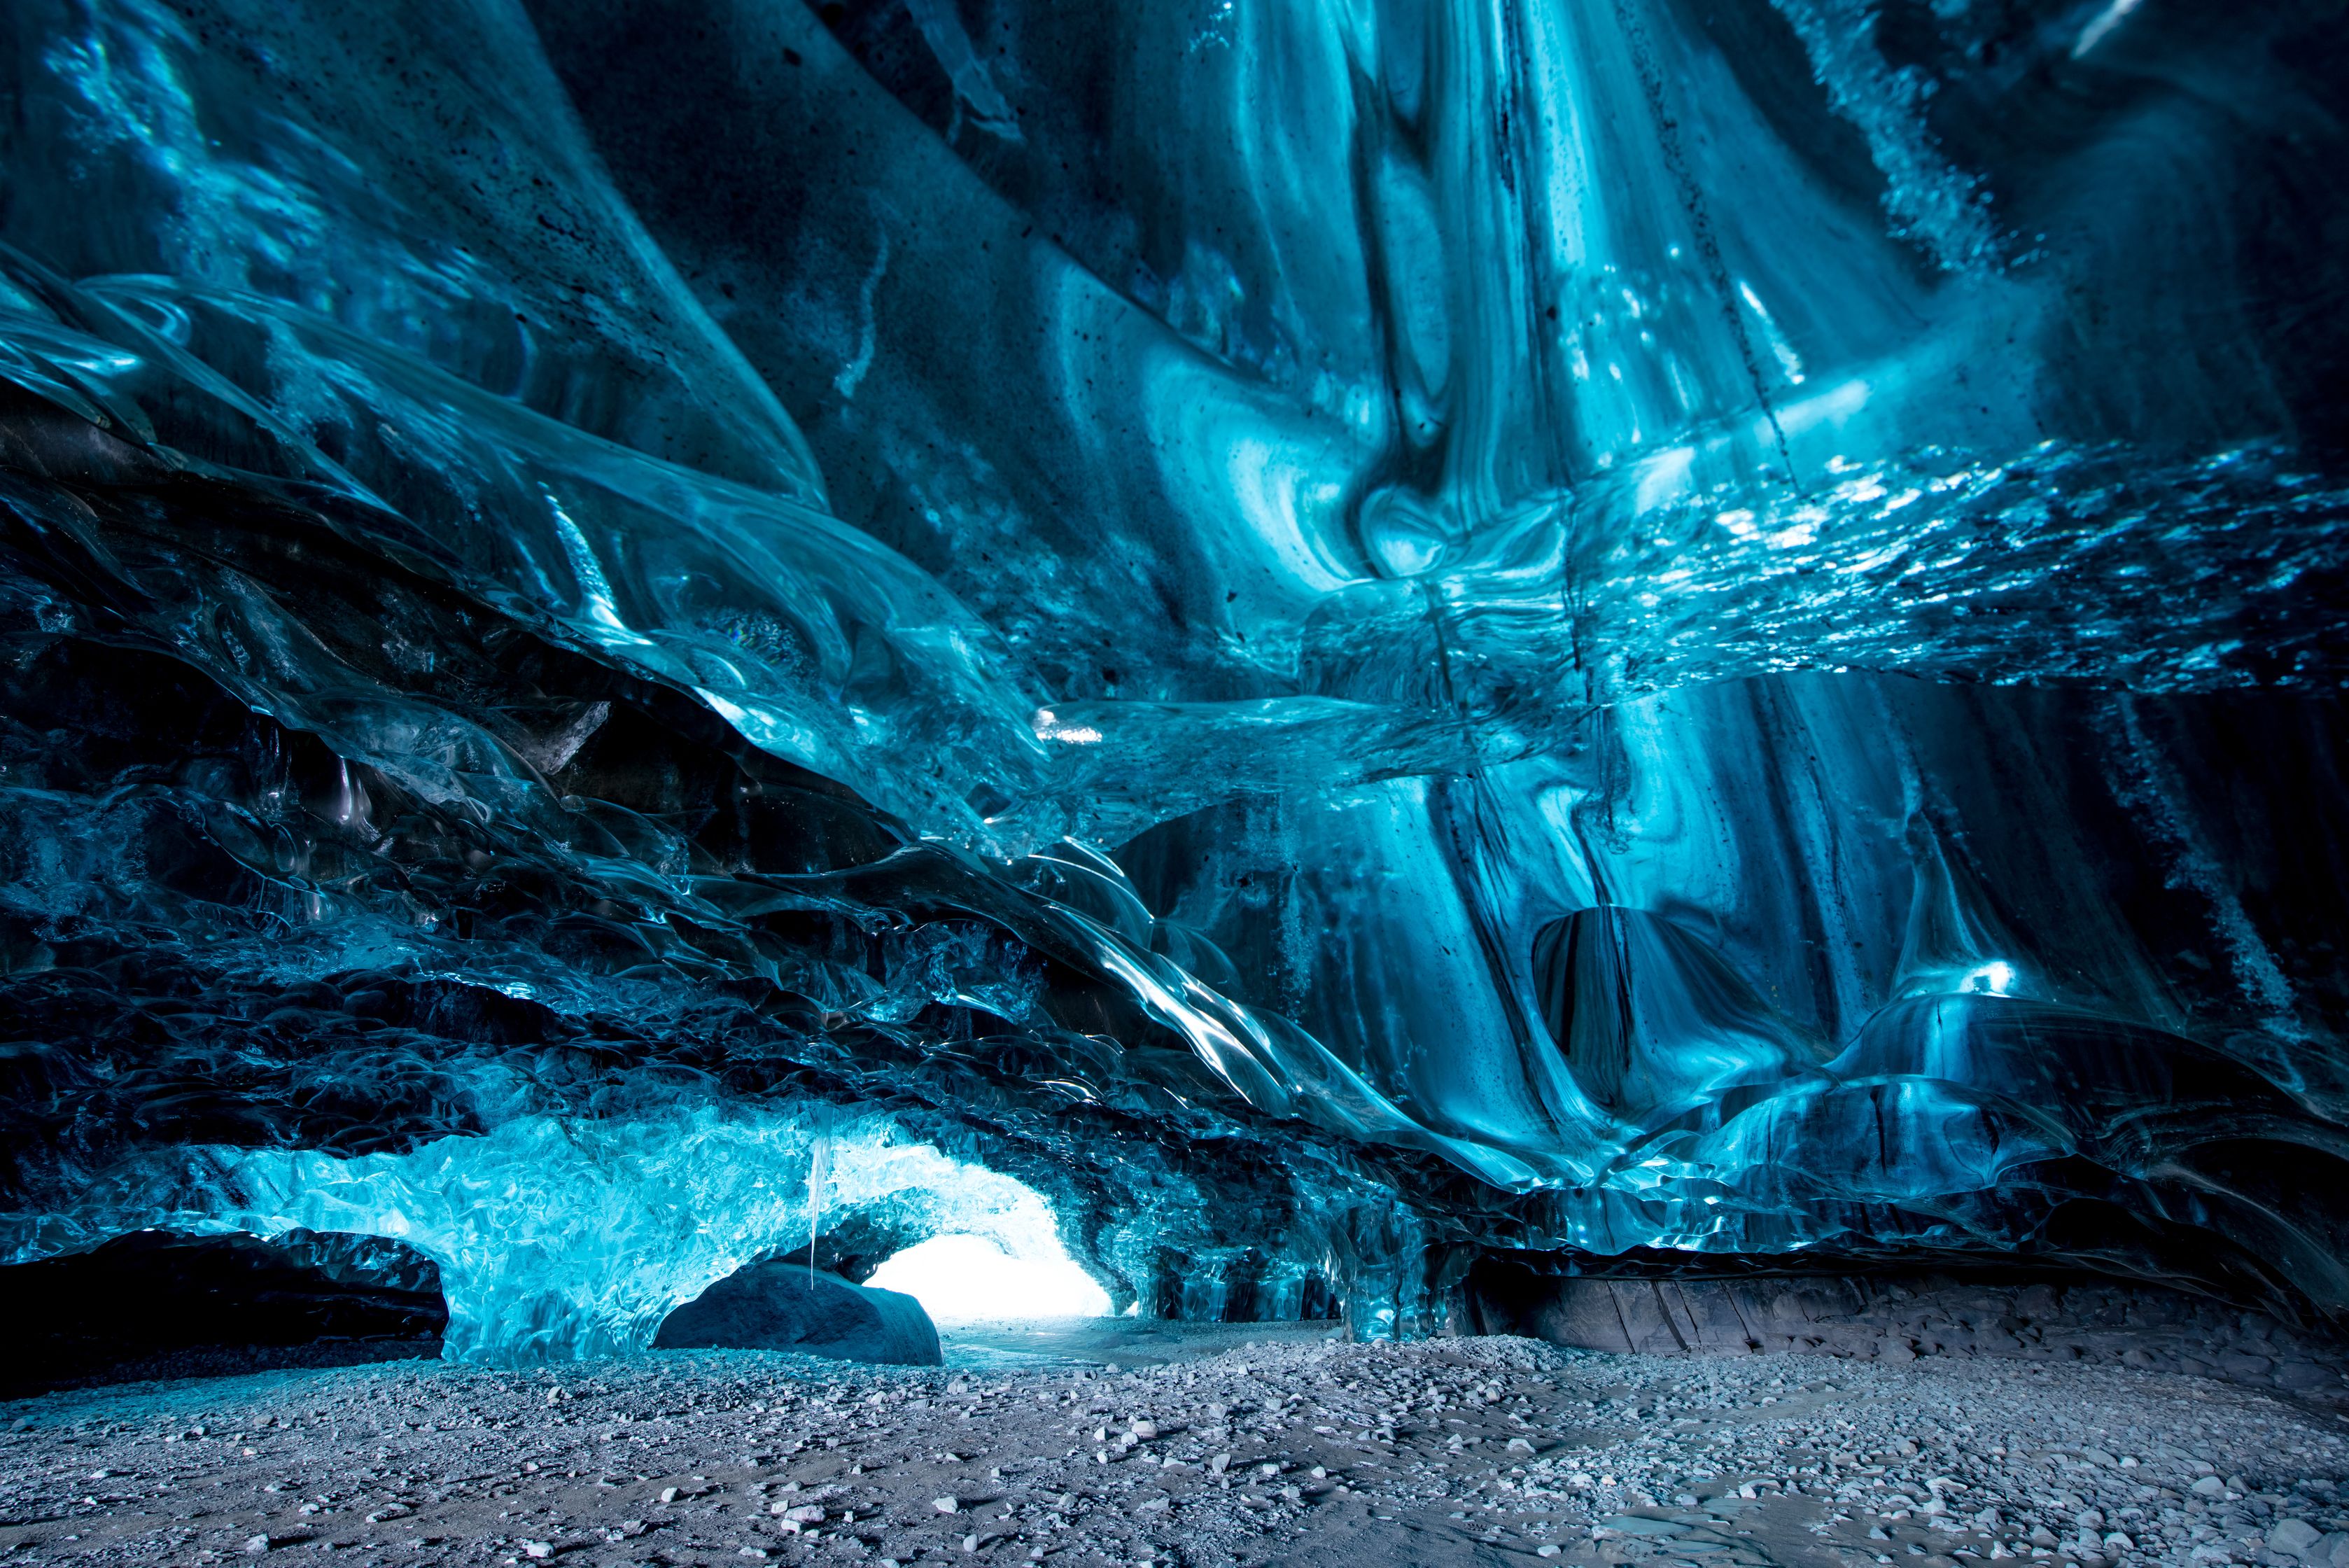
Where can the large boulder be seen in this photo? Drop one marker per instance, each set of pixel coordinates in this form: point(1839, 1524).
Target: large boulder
point(779, 1305)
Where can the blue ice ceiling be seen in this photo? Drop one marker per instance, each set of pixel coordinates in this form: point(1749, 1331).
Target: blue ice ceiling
point(1334, 636)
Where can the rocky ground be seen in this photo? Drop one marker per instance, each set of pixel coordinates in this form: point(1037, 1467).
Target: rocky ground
point(1288, 1450)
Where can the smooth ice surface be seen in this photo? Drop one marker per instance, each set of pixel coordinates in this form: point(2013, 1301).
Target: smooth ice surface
point(1334, 636)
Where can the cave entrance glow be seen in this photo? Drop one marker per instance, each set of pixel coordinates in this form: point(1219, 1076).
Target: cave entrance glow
point(969, 1279)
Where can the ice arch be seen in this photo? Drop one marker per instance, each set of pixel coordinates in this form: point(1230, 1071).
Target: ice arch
point(557, 1239)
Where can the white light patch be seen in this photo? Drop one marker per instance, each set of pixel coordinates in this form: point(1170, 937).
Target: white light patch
point(1993, 979)
point(968, 1279)
point(1050, 728)
point(2111, 17)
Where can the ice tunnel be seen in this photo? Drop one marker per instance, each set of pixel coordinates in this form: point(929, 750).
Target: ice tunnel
point(1338, 661)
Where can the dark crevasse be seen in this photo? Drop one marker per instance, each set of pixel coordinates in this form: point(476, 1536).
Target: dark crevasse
point(1298, 648)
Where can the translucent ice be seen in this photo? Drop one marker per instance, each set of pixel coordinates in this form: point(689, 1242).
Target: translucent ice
point(557, 1239)
point(1336, 637)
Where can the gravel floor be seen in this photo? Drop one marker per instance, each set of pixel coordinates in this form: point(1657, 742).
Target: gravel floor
point(1471, 1451)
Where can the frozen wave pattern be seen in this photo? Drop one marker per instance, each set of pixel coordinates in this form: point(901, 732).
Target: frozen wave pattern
point(2061, 565)
point(1338, 641)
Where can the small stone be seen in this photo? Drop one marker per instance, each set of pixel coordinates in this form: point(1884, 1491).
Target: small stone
point(2296, 1536)
point(537, 1551)
point(2209, 1486)
point(1146, 1430)
point(256, 1545)
point(947, 1504)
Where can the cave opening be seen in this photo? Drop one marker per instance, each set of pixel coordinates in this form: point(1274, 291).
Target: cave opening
point(162, 1304)
point(962, 1278)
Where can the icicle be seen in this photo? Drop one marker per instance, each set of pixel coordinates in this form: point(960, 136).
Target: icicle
point(819, 1176)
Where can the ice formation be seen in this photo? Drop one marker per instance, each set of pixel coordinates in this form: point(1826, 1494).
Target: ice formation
point(1297, 641)
point(560, 1237)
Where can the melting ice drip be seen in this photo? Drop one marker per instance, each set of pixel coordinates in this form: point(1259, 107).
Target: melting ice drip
point(819, 1178)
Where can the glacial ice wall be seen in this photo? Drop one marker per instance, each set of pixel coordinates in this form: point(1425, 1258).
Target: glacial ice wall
point(1332, 634)
point(565, 1237)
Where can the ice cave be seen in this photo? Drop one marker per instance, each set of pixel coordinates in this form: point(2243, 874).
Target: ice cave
point(1368, 715)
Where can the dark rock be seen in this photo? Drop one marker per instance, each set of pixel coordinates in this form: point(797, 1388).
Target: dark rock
point(238, 1304)
point(778, 1305)
point(1901, 1319)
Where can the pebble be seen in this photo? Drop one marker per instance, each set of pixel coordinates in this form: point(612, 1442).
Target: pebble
point(1376, 1455)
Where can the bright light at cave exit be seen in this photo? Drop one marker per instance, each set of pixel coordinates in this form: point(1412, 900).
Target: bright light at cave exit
point(968, 1279)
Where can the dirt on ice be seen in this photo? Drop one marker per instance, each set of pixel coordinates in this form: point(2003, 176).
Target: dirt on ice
point(1092, 1445)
